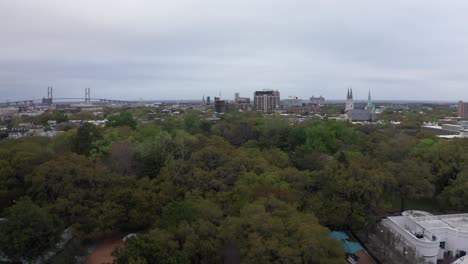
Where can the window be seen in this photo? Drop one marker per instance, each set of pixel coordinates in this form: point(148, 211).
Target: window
point(442, 245)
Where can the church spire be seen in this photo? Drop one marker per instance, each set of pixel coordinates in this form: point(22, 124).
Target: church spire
point(349, 100)
point(370, 105)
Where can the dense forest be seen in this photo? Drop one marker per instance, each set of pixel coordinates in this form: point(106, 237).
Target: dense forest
point(264, 187)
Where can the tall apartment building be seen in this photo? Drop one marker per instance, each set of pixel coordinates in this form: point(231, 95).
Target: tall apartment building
point(463, 110)
point(221, 106)
point(266, 101)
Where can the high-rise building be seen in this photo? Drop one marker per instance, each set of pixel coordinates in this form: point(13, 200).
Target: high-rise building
point(221, 106)
point(463, 110)
point(349, 100)
point(266, 101)
point(208, 100)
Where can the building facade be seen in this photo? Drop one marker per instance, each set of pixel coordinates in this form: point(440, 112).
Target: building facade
point(242, 103)
point(221, 106)
point(431, 236)
point(305, 109)
point(266, 101)
point(463, 110)
point(320, 101)
point(291, 101)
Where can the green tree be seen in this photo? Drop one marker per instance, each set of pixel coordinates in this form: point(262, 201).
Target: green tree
point(397, 148)
point(274, 132)
point(28, 231)
point(158, 246)
point(413, 180)
point(183, 144)
point(328, 136)
point(351, 192)
point(271, 231)
point(63, 142)
point(121, 119)
point(152, 153)
point(187, 233)
point(86, 135)
point(192, 123)
point(86, 195)
point(18, 159)
point(237, 132)
point(455, 196)
point(446, 159)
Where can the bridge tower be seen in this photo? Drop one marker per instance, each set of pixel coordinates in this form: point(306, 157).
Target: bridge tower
point(49, 93)
point(87, 95)
point(48, 100)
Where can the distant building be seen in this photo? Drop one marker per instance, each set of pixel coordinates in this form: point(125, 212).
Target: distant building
point(305, 109)
point(47, 101)
point(221, 106)
point(431, 236)
point(370, 106)
point(208, 100)
point(317, 100)
point(266, 101)
point(463, 110)
point(349, 101)
point(359, 115)
point(87, 107)
point(447, 130)
point(8, 111)
point(292, 101)
point(236, 97)
point(299, 106)
point(242, 103)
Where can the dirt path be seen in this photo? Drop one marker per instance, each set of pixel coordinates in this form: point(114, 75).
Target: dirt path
point(102, 252)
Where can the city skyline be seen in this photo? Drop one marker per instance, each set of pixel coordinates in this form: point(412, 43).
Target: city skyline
point(162, 51)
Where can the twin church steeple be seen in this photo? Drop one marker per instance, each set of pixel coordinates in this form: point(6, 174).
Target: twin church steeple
point(349, 100)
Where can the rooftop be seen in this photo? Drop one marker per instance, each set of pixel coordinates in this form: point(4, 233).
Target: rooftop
point(456, 221)
point(462, 260)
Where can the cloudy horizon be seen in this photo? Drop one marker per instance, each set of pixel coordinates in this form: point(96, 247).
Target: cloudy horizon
point(400, 50)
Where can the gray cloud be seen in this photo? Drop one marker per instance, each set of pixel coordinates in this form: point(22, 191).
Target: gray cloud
point(181, 49)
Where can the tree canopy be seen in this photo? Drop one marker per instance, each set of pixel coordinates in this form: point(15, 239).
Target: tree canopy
point(251, 187)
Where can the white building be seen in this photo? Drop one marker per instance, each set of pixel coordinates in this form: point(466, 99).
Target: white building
point(462, 260)
point(431, 235)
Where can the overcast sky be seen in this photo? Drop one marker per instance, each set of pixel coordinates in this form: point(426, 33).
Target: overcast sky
point(181, 49)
